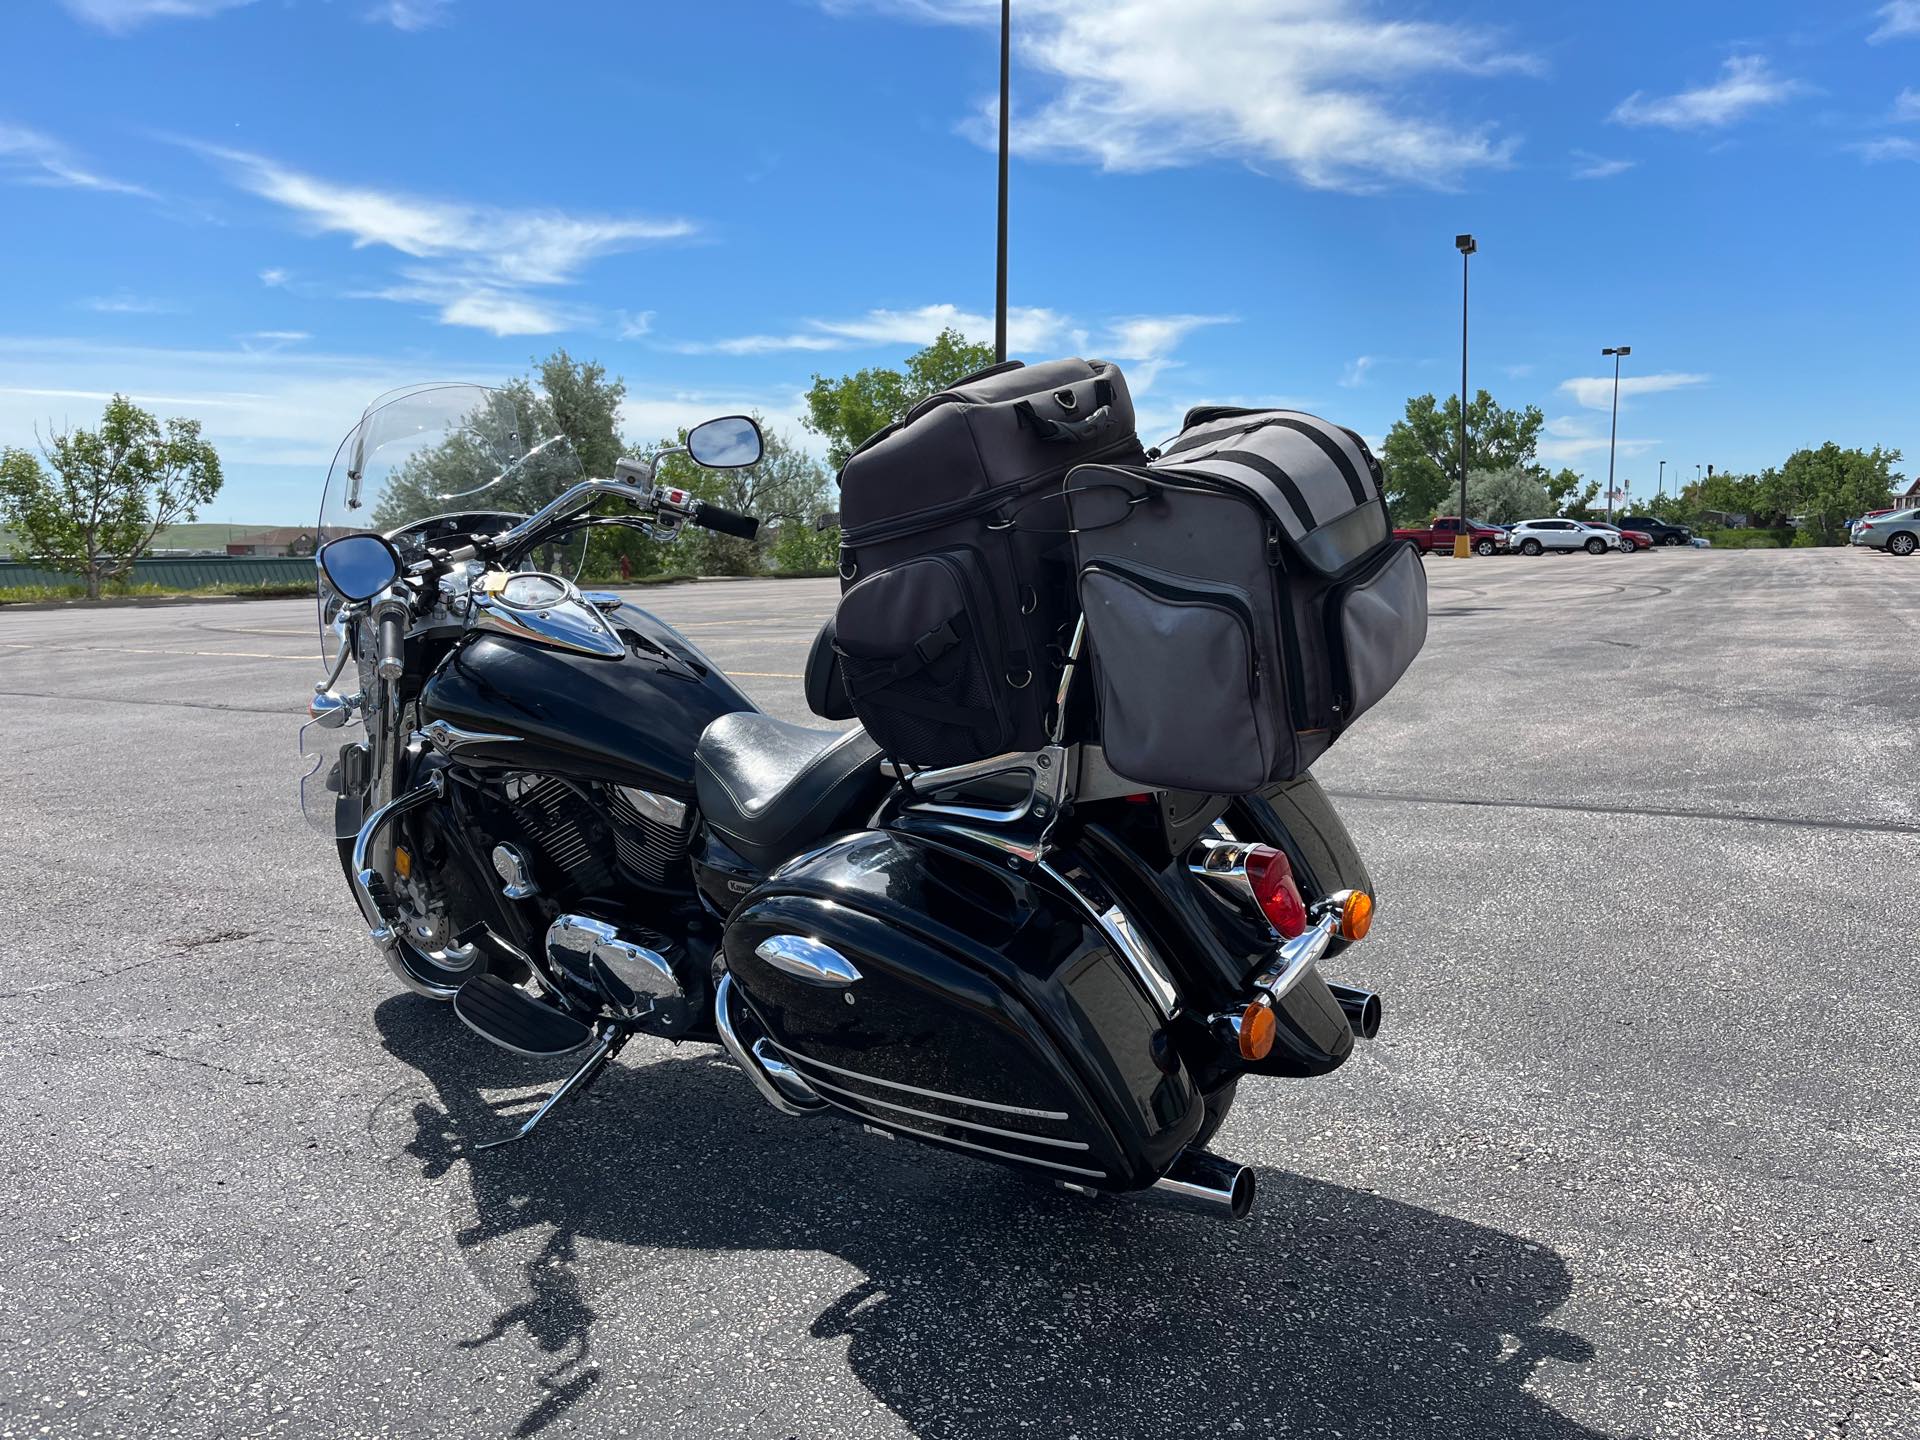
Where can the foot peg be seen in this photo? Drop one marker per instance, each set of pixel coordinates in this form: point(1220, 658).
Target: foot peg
point(514, 1020)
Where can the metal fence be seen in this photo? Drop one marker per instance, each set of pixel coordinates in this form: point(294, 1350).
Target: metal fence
point(188, 572)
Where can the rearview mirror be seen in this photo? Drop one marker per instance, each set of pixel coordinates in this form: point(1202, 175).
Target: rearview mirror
point(359, 566)
point(730, 443)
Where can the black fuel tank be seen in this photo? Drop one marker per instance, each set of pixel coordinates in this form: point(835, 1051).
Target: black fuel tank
point(631, 720)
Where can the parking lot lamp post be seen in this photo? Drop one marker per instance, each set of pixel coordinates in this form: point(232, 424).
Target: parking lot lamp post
point(1613, 435)
point(1466, 246)
point(1000, 271)
point(1663, 477)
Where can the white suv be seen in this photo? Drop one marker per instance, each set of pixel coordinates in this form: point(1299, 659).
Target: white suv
point(1530, 537)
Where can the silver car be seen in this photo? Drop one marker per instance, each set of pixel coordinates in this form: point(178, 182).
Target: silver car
point(1897, 534)
point(1531, 537)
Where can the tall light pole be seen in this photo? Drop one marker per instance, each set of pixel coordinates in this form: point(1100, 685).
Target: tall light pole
point(1466, 245)
point(1663, 477)
point(1000, 275)
point(1613, 436)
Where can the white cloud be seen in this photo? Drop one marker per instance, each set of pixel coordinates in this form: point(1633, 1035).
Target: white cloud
point(1145, 342)
point(1888, 147)
point(1596, 392)
point(1899, 20)
point(1747, 83)
point(1568, 438)
point(1906, 106)
point(1028, 328)
point(1319, 88)
point(124, 304)
point(636, 327)
point(653, 412)
point(277, 337)
point(1356, 374)
point(1598, 167)
point(487, 257)
point(28, 157)
point(410, 14)
point(119, 16)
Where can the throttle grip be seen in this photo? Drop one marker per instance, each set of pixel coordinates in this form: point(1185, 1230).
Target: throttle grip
point(712, 517)
point(392, 635)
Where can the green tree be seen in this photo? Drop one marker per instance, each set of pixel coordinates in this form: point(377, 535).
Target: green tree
point(849, 410)
point(109, 492)
point(1421, 457)
point(1567, 495)
point(786, 490)
point(1826, 487)
point(1504, 496)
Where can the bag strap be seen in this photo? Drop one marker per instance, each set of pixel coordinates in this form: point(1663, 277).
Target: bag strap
point(952, 631)
point(1071, 432)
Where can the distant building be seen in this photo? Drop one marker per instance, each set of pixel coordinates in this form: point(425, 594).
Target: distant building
point(287, 540)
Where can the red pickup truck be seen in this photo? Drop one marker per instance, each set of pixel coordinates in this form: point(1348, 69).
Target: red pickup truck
point(1440, 535)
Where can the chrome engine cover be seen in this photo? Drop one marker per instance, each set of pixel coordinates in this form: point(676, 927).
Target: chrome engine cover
point(630, 975)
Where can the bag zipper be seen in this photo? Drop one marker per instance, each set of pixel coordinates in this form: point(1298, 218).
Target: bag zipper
point(1336, 642)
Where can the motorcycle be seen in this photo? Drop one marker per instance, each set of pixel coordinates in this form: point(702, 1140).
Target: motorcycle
point(559, 815)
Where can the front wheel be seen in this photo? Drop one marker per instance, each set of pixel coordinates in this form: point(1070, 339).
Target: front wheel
point(1484, 547)
point(437, 974)
point(1596, 547)
point(1530, 547)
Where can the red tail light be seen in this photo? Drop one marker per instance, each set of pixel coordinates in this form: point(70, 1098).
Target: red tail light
point(1274, 888)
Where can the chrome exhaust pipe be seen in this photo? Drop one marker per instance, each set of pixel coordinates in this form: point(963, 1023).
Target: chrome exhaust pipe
point(1205, 1184)
point(1362, 1008)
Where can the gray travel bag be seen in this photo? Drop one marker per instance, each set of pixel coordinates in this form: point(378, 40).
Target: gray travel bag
point(1245, 599)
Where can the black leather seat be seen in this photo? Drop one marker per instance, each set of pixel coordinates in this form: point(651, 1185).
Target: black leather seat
point(769, 788)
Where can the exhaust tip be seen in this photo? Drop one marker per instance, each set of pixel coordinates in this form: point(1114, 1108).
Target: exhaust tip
point(1206, 1184)
point(1361, 1007)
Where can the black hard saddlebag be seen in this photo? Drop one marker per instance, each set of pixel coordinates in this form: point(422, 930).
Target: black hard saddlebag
point(1246, 601)
point(957, 598)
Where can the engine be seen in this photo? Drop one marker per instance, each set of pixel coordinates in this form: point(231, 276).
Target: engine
point(600, 836)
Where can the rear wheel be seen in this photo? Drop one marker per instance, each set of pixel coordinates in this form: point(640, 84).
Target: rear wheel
point(1902, 544)
point(1529, 547)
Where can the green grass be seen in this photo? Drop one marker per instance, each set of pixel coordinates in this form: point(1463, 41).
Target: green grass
point(1750, 539)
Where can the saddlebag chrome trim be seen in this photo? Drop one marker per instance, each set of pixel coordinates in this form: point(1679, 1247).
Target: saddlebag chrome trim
point(729, 1037)
point(820, 1085)
point(932, 1139)
point(807, 959)
point(1118, 928)
point(917, 1090)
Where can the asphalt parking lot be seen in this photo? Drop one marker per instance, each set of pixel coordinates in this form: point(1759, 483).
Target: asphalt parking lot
point(1635, 1155)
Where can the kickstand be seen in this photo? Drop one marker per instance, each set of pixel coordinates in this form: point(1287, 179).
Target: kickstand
point(612, 1040)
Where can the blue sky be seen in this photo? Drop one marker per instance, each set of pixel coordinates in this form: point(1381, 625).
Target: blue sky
point(263, 212)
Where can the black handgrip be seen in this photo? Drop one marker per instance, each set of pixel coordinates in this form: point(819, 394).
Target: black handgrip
point(393, 644)
point(712, 517)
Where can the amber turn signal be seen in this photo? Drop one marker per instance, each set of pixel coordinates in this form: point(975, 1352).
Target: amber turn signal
point(1356, 916)
point(1256, 1030)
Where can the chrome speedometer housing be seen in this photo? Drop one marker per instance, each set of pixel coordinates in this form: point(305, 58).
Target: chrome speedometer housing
point(543, 608)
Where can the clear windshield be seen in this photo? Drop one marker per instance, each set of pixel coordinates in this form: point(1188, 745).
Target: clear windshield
point(433, 451)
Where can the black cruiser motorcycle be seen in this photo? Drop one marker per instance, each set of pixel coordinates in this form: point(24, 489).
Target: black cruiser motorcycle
point(554, 811)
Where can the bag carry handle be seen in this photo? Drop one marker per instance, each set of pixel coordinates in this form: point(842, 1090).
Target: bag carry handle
point(1132, 502)
point(1071, 432)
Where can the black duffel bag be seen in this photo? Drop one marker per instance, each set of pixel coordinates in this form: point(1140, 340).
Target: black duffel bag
point(957, 598)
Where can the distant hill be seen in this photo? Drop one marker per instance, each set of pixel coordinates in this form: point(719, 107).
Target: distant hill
point(202, 539)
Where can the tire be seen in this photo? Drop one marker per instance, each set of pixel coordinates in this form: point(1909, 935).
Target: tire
point(1673, 540)
point(1530, 547)
point(1596, 547)
point(414, 968)
point(1218, 1103)
point(1901, 543)
point(1484, 547)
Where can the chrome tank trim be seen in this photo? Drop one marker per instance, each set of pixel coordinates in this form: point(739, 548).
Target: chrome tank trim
point(807, 959)
point(568, 623)
point(729, 1037)
point(447, 738)
point(1118, 928)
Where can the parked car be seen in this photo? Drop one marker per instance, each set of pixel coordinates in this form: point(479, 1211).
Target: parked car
point(1897, 533)
point(1853, 526)
point(1486, 538)
point(1627, 541)
point(1661, 532)
point(1531, 537)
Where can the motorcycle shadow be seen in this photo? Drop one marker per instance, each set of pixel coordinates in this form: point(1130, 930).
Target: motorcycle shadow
point(992, 1307)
